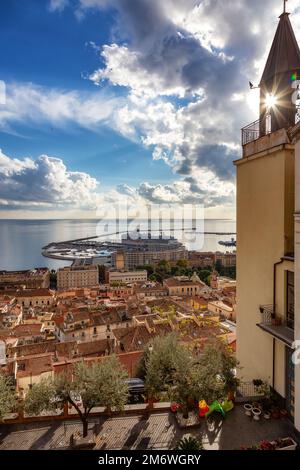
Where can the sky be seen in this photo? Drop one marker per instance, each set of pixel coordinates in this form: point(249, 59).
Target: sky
point(106, 101)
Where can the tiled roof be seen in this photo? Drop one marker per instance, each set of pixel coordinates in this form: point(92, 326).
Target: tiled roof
point(94, 347)
point(34, 365)
point(132, 339)
point(35, 293)
point(27, 330)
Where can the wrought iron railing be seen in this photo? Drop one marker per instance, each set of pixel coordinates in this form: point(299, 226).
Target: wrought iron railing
point(248, 391)
point(270, 317)
point(267, 314)
point(251, 132)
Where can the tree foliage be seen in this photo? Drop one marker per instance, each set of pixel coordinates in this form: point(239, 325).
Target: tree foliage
point(8, 399)
point(214, 374)
point(98, 384)
point(169, 368)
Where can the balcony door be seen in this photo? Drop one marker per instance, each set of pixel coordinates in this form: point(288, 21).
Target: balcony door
point(290, 382)
point(290, 306)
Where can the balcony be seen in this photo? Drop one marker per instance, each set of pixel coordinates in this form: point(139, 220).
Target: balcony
point(251, 132)
point(276, 326)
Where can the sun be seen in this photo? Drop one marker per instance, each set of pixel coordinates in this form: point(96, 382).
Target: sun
point(271, 101)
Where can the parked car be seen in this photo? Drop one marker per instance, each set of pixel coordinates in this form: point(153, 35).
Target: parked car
point(136, 389)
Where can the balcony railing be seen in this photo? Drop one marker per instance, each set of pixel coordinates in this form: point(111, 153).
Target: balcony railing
point(251, 132)
point(276, 325)
point(247, 391)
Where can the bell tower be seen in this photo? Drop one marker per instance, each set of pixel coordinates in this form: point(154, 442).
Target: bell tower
point(278, 82)
point(265, 227)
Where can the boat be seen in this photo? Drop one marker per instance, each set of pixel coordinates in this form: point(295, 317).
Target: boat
point(227, 243)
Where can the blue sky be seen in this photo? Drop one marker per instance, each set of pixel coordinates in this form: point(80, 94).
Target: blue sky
point(107, 100)
point(53, 49)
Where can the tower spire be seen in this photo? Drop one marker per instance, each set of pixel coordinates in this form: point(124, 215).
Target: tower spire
point(277, 108)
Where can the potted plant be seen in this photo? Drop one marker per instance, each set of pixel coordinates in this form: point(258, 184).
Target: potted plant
point(286, 443)
point(248, 409)
point(267, 445)
point(283, 413)
point(276, 321)
point(189, 444)
point(256, 413)
point(257, 383)
point(267, 414)
point(275, 412)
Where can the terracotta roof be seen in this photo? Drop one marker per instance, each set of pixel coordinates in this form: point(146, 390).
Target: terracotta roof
point(34, 365)
point(98, 348)
point(62, 349)
point(76, 316)
point(110, 316)
point(132, 339)
point(181, 282)
point(35, 293)
point(33, 329)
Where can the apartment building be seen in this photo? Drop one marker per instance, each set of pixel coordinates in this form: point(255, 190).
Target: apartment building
point(35, 297)
point(267, 321)
point(126, 277)
point(184, 286)
point(31, 279)
point(77, 276)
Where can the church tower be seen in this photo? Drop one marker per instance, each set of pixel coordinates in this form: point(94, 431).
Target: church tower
point(282, 70)
point(265, 227)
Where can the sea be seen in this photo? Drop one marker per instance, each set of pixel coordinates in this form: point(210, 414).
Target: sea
point(21, 241)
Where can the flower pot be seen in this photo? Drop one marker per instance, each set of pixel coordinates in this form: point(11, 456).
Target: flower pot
point(283, 413)
point(275, 414)
point(256, 414)
point(248, 409)
point(286, 444)
point(267, 415)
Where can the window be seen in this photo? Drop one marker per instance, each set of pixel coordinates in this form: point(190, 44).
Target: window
point(290, 312)
point(268, 124)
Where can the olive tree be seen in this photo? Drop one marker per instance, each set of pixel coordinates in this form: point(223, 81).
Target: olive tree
point(8, 399)
point(170, 368)
point(214, 373)
point(98, 384)
point(167, 368)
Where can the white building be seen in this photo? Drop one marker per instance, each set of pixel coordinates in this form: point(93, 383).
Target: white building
point(127, 277)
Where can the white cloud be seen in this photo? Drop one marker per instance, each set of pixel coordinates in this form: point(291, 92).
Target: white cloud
point(58, 5)
point(186, 66)
point(44, 182)
point(28, 103)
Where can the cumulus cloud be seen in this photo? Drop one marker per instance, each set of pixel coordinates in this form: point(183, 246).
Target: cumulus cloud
point(30, 103)
point(185, 65)
point(44, 182)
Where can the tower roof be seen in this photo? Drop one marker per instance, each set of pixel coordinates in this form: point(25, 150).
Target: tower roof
point(285, 53)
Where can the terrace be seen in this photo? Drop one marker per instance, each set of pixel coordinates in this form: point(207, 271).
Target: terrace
point(141, 431)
